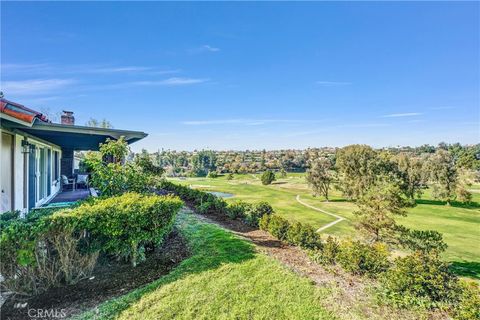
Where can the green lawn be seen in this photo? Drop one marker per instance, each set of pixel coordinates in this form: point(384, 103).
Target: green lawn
point(225, 278)
point(459, 225)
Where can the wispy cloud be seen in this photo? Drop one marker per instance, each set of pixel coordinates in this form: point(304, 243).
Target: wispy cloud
point(170, 82)
point(332, 83)
point(246, 122)
point(47, 69)
point(204, 48)
point(35, 86)
point(399, 115)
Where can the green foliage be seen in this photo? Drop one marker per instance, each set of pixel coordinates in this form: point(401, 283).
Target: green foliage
point(7, 217)
point(411, 171)
point(283, 173)
point(256, 211)
point(427, 241)
point(320, 175)
point(268, 177)
point(377, 208)
point(212, 174)
point(363, 259)
point(123, 225)
point(146, 164)
point(278, 227)
point(114, 150)
point(357, 166)
point(114, 179)
point(203, 162)
point(230, 176)
point(303, 236)
point(468, 305)
point(237, 209)
point(443, 174)
point(328, 254)
point(421, 280)
point(35, 255)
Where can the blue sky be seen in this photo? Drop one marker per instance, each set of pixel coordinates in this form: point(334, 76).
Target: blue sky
point(251, 75)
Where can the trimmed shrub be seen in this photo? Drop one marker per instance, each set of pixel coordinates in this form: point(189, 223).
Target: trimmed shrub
point(237, 209)
point(35, 257)
point(264, 222)
point(468, 306)
point(278, 227)
point(256, 211)
point(363, 259)
point(419, 280)
point(212, 174)
point(268, 177)
point(124, 225)
point(303, 236)
point(46, 250)
point(328, 254)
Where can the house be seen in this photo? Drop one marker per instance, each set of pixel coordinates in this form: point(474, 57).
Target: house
point(35, 153)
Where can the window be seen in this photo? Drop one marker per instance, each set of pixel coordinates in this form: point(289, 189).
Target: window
point(56, 167)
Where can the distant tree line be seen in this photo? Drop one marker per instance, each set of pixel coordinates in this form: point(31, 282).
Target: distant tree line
point(201, 162)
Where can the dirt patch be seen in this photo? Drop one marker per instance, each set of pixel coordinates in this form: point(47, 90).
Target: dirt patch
point(110, 279)
point(348, 295)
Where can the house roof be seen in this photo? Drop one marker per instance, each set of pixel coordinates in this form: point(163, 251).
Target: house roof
point(20, 118)
point(20, 112)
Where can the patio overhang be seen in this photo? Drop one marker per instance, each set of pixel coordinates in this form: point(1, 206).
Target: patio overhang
point(78, 137)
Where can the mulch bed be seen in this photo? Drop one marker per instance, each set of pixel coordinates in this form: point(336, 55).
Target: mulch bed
point(111, 279)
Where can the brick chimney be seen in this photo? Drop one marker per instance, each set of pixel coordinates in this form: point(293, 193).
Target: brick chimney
point(68, 118)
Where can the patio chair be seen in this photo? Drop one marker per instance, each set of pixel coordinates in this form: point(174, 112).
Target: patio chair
point(67, 183)
point(82, 180)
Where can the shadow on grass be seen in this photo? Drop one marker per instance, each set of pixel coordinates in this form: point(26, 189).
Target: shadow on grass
point(456, 204)
point(211, 247)
point(466, 269)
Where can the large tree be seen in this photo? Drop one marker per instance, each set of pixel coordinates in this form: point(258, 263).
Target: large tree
point(378, 207)
point(411, 172)
point(357, 166)
point(443, 175)
point(320, 175)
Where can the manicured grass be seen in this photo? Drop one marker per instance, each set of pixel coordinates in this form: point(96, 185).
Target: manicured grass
point(460, 225)
point(223, 279)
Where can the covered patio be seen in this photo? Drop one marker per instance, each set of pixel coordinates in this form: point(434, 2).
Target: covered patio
point(71, 196)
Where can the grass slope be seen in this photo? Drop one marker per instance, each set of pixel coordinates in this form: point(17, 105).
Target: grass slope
point(458, 224)
point(223, 279)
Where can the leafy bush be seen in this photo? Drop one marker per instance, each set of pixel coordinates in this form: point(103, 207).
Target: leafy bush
point(35, 256)
point(61, 246)
point(212, 174)
point(468, 306)
point(144, 161)
point(123, 225)
point(7, 217)
point(303, 236)
point(256, 211)
point(328, 254)
point(237, 209)
point(424, 241)
point(278, 227)
point(268, 177)
point(363, 259)
point(420, 280)
point(264, 222)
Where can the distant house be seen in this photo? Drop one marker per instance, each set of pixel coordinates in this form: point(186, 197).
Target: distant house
point(35, 153)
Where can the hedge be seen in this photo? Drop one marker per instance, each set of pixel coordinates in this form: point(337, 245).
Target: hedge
point(52, 248)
